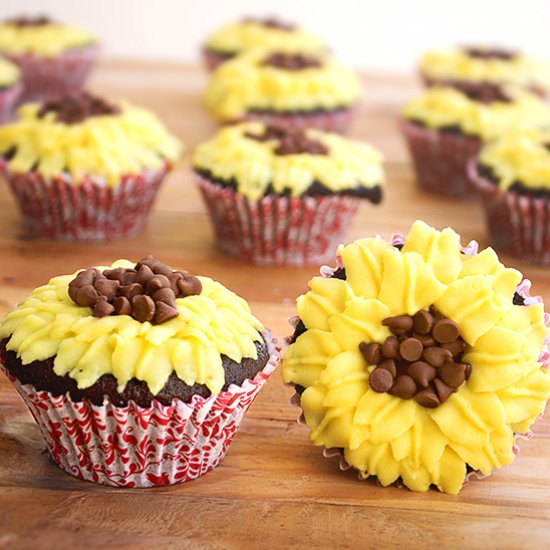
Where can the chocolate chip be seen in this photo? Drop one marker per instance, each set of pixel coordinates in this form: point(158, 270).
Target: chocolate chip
point(443, 391)
point(162, 269)
point(135, 289)
point(390, 348)
point(372, 352)
point(164, 312)
point(436, 356)
point(426, 339)
point(401, 323)
point(445, 331)
point(144, 274)
point(165, 295)
point(467, 370)
point(389, 365)
point(115, 274)
point(103, 308)
point(85, 277)
point(86, 296)
point(453, 374)
point(143, 308)
point(107, 288)
point(129, 278)
point(122, 306)
point(411, 349)
point(423, 322)
point(403, 387)
point(422, 373)
point(427, 398)
point(174, 278)
point(456, 347)
point(156, 282)
point(190, 286)
point(380, 380)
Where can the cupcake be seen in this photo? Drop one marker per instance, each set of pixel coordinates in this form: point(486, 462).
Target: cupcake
point(281, 196)
point(250, 33)
point(446, 127)
point(478, 67)
point(512, 175)
point(419, 362)
point(284, 87)
point(138, 375)
point(10, 89)
point(54, 58)
point(82, 168)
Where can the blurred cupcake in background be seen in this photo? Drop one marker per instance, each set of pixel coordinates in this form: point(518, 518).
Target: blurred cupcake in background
point(10, 88)
point(54, 58)
point(477, 67)
point(250, 32)
point(445, 127)
point(284, 197)
point(285, 87)
point(512, 174)
point(82, 168)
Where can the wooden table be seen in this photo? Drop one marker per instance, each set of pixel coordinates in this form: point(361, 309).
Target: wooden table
point(274, 489)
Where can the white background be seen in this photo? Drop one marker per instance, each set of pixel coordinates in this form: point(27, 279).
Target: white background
point(386, 35)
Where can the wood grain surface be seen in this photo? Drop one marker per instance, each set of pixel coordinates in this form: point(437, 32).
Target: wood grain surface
point(274, 489)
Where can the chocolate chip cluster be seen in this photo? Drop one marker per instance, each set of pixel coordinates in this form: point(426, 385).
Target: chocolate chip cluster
point(146, 292)
point(72, 109)
point(271, 22)
point(26, 21)
point(490, 53)
point(292, 61)
point(420, 361)
point(487, 93)
point(291, 141)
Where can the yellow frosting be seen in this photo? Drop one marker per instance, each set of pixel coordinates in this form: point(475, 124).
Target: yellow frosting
point(45, 40)
point(48, 323)
point(521, 155)
point(521, 70)
point(9, 73)
point(245, 35)
point(254, 164)
point(389, 437)
point(244, 83)
point(440, 107)
point(106, 146)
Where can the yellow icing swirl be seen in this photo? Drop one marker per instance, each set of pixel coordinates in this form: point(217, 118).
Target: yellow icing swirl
point(46, 40)
point(440, 107)
point(9, 73)
point(237, 37)
point(389, 437)
point(254, 164)
point(457, 65)
point(48, 323)
point(523, 156)
point(105, 147)
point(244, 83)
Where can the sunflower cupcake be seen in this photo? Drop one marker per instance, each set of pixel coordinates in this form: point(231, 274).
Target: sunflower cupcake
point(512, 175)
point(10, 89)
point(444, 128)
point(54, 58)
point(475, 68)
point(251, 32)
point(419, 361)
point(280, 196)
point(284, 87)
point(83, 168)
point(137, 374)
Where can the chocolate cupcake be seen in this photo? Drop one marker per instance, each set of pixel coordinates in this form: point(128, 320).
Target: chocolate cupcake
point(138, 374)
point(251, 32)
point(444, 128)
point(10, 89)
point(83, 168)
point(478, 68)
point(286, 197)
point(285, 87)
point(54, 58)
point(418, 361)
point(512, 175)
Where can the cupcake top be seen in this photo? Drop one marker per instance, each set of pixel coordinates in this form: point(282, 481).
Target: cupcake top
point(519, 160)
point(258, 159)
point(484, 116)
point(142, 321)
point(41, 36)
point(420, 359)
point(9, 74)
point(280, 81)
point(256, 32)
point(477, 64)
point(85, 135)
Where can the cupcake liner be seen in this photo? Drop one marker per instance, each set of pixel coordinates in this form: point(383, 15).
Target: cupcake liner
point(58, 208)
point(8, 101)
point(518, 225)
point(133, 446)
point(278, 230)
point(44, 78)
point(440, 160)
point(214, 59)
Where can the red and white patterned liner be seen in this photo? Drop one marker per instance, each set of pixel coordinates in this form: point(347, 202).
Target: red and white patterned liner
point(440, 160)
point(519, 225)
point(58, 208)
point(213, 59)
point(8, 101)
point(277, 230)
point(45, 78)
point(143, 447)
point(523, 289)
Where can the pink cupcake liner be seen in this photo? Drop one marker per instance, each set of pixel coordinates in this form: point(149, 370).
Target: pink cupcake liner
point(45, 78)
point(440, 160)
point(133, 446)
point(8, 101)
point(518, 225)
point(278, 230)
point(212, 60)
point(60, 209)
